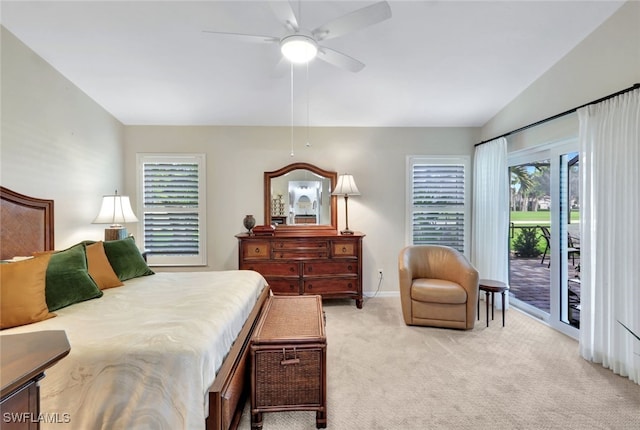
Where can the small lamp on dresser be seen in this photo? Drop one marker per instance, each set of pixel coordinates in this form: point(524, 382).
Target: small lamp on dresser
point(346, 187)
point(115, 210)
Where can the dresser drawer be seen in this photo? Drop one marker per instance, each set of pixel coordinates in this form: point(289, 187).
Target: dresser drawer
point(272, 269)
point(300, 254)
point(284, 286)
point(326, 268)
point(330, 285)
point(255, 250)
point(344, 249)
point(300, 244)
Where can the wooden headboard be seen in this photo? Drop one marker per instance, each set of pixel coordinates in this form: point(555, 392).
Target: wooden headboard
point(26, 224)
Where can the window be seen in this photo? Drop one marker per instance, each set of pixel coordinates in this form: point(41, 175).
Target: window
point(173, 206)
point(437, 201)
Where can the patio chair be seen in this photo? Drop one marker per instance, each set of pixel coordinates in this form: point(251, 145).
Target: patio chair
point(573, 245)
point(546, 234)
point(573, 248)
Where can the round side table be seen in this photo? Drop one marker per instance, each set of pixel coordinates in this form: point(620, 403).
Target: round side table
point(491, 286)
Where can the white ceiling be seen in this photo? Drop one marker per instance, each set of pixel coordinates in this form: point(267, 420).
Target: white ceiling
point(434, 63)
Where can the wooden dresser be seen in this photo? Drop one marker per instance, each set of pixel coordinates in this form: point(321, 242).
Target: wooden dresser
point(24, 358)
point(320, 263)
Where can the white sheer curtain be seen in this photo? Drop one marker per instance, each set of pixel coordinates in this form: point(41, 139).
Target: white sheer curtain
point(610, 233)
point(490, 249)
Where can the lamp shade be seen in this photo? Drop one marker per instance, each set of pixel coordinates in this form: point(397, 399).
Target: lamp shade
point(115, 210)
point(346, 186)
point(299, 48)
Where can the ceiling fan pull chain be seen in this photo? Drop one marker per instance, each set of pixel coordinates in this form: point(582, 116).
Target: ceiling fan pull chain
point(308, 144)
point(291, 110)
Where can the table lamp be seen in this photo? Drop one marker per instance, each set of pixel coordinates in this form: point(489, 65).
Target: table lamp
point(115, 210)
point(346, 187)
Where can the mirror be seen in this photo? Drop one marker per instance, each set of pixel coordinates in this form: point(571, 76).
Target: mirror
point(298, 197)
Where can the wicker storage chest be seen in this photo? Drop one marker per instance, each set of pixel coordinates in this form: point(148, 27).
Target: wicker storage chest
point(288, 359)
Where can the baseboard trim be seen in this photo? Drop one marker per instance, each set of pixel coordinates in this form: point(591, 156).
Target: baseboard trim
point(371, 294)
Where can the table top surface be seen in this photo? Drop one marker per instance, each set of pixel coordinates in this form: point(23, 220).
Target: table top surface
point(25, 356)
point(492, 286)
point(291, 319)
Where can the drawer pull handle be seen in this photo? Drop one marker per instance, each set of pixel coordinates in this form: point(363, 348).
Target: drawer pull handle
point(349, 267)
point(287, 361)
point(344, 249)
point(257, 251)
point(291, 269)
point(310, 286)
point(310, 269)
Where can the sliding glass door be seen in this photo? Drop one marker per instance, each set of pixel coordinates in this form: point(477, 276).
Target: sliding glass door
point(529, 239)
point(570, 238)
point(544, 252)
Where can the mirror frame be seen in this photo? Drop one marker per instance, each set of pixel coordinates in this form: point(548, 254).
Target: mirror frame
point(332, 176)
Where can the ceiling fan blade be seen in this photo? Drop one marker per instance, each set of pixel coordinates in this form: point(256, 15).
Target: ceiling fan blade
point(339, 59)
point(285, 14)
point(256, 38)
point(355, 20)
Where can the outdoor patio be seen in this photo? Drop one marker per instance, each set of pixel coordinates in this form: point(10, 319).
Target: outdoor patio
point(530, 280)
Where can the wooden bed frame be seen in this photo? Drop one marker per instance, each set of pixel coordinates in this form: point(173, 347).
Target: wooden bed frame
point(27, 226)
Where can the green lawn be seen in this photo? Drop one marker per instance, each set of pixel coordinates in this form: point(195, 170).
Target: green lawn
point(532, 219)
point(539, 217)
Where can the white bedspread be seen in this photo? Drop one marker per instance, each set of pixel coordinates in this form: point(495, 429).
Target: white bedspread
point(144, 355)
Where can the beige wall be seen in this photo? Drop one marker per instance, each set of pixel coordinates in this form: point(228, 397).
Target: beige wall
point(606, 61)
point(56, 142)
point(237, 157)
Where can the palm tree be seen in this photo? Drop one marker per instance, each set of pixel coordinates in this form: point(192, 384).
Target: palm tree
point(541, 186)
point(528, 186)
point(521, 183)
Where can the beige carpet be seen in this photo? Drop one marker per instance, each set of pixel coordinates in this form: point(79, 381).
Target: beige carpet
point(385, 375)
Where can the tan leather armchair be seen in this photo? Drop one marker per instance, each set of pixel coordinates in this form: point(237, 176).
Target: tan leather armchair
point(438, 287)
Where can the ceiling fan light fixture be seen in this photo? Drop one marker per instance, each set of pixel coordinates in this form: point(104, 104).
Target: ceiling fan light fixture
point(299, 48)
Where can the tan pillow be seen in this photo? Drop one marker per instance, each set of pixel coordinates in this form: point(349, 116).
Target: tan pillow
point(22, 292)
point(99, 267)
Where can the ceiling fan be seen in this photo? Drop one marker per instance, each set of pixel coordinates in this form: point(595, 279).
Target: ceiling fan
point(301, 45)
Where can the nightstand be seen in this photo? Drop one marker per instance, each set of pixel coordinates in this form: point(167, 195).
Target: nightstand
point(24, 358)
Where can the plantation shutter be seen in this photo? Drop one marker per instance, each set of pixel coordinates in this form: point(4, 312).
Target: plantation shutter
point(173, 209)
point(438, 196)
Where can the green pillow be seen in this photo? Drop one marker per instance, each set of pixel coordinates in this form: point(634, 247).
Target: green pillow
point(68, 279)
point(125, 259)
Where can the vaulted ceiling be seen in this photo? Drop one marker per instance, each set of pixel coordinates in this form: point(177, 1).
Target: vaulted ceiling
point(433, 63)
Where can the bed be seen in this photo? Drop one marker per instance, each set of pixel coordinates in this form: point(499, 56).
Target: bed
point(163, 351)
